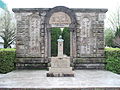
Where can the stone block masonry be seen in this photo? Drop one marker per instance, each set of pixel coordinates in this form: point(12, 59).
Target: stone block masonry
point(33, 37)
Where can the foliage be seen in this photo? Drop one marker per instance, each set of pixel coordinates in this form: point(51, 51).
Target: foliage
point(114, 21)
point(117, 33)
point(7, 29)
point(112, 49)
point(109, 36)
point(113, 59)
point(7, 59)
point(66, 37)
point(116, 41)
point(55, 33)
point(117, 37)
point(7, 49)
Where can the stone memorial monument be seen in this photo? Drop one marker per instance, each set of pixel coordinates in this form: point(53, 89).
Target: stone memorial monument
point(33, 37)
point(60, 65)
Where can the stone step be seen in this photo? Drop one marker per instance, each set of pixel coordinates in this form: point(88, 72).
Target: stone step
point(89, 66)
point(31, 66)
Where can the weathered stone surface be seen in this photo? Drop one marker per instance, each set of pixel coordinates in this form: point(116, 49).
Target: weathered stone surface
point(37, 80)
point(60, 19)
point(86, 31)
point(60, 66)
point(62, 62)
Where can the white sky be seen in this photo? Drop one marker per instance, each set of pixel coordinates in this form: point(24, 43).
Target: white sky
point(111, 5)
point(69, 3)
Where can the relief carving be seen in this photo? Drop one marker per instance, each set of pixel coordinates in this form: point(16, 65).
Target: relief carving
point(34, 43)
point(59, 19)
point(101, 17)
point(85, 36)
point(86, 24)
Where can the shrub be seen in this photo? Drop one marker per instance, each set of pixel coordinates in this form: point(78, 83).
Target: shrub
point(113, 60)
point(7, 59)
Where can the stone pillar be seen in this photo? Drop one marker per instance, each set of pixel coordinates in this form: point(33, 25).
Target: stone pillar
point(60, 47)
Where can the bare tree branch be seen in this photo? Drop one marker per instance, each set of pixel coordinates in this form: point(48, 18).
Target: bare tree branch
point(7, 30)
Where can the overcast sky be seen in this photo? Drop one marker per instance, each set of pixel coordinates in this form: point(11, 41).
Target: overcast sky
point(69, 3)
point(111, 5)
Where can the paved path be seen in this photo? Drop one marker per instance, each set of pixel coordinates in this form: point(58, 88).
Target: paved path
point(38, 79)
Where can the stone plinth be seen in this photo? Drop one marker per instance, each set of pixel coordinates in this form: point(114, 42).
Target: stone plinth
point(60, 67)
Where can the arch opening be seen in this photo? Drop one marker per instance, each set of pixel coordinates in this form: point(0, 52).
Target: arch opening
point(61, 17)
point(55, 33)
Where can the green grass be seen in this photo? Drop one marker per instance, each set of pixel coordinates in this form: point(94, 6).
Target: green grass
point(7, 49)
point(112, 49)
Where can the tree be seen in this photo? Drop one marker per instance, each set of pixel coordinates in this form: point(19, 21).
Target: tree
point(114, 20)
point(66, 45)
point(109, 36)
point(117, 37)
point(7, 30)
point(117, 42)
point(115, 26)
point(55, 33)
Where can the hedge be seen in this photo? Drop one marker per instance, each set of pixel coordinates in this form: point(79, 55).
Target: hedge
point(113, 60)
point(112, 49)
point(7, 59)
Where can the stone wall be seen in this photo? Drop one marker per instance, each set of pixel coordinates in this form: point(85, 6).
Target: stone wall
point(33, 37)
point(30, 40)
point(90, 40)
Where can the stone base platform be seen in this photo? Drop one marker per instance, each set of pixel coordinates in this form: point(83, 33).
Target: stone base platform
point(31, 63)
point(60, 67)
point(82, 80)
point(60, 72)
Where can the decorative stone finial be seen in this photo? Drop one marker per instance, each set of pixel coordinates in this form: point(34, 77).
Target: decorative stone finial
point(60, 39)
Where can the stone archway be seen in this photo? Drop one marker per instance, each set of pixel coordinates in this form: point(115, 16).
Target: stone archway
point(61, 17)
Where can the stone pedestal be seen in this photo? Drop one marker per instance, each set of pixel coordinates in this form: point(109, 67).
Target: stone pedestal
point(60, 67)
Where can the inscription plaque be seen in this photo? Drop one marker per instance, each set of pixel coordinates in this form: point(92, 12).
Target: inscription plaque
point(85, 36)
point(34, 44)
